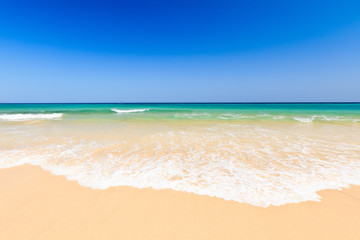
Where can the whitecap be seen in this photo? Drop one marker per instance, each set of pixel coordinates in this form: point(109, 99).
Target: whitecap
point(30, 116)
point(128, 110)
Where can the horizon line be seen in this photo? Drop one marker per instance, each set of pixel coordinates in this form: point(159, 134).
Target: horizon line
point(321, 102)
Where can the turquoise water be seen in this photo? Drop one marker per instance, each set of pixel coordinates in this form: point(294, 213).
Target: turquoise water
point(260, 154)
point(300, 112)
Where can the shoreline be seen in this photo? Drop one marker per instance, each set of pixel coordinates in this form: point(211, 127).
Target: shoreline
point(39, 205)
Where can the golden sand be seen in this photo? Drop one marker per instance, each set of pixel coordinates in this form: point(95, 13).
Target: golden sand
point(35, 204)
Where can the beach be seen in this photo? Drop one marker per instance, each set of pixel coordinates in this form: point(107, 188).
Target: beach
point(179, 171)
point(260, 154)
point(179, 120)
point(38, 205)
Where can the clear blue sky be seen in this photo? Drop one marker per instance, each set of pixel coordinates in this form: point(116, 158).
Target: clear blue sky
point(163, 51)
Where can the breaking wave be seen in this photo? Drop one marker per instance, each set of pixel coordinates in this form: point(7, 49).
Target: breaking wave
point(268, 117)
point(128, 110)
point(30, 116)
point(325, 119)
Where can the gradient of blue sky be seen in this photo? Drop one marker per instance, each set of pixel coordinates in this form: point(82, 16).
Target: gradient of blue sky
point(140, 51)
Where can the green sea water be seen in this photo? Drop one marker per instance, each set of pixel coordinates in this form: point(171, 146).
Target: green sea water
point(260, 154)
point(297, 112)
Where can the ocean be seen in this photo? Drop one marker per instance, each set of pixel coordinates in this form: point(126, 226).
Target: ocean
point(257, 153)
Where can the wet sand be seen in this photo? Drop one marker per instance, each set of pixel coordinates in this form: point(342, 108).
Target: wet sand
point(35, 204)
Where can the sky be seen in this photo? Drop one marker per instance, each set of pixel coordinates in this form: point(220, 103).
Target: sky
point(179, 51)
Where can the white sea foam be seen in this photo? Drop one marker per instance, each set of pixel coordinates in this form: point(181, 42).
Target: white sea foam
point(30, 116)
point(193, 115)
point(266, 117)
point(251, 164)
point(304, 119)
point(228, 116)
point(128, 110)
point(324, 118)
point(279, 117)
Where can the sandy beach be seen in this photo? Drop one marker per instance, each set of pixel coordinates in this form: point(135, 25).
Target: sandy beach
point(179, 120)
point(38, 205)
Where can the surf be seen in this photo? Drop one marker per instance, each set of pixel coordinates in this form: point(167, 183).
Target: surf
point(30, 116)
point(129, 110)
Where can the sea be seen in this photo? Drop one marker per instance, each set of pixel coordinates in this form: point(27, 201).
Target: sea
point(255, 153)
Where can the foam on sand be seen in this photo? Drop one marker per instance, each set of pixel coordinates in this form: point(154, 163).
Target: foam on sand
point(257, 164)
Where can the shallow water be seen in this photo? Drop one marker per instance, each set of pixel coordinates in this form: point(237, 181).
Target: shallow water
point(261, 154)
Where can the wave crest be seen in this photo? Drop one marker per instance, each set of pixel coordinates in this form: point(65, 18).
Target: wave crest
point(29, 116)
point(128, 110)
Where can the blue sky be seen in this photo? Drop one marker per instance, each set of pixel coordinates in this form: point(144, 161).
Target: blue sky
point(163, 51)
